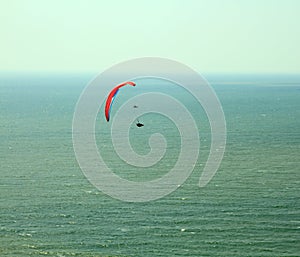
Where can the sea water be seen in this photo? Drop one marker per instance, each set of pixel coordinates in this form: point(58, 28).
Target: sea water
point(250, 208)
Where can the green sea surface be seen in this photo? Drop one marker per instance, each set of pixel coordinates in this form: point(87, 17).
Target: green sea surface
point(250, 208)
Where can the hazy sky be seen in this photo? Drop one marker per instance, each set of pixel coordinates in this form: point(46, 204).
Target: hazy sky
point(209, 36)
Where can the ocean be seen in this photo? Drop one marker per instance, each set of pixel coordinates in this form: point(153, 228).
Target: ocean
point(251, 206)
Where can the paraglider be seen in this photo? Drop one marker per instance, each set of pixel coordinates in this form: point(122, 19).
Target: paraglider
point(138, 124)
point(111, 97)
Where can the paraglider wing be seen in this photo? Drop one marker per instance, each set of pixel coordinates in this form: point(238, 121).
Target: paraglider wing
point(112, 96)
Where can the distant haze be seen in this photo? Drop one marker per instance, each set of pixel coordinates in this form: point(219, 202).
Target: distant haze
point(210, 36)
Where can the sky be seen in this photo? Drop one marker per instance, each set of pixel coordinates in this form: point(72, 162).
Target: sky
point(241, 36)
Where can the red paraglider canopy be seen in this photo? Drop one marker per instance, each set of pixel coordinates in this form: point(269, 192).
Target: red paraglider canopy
point(111, 97)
